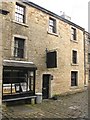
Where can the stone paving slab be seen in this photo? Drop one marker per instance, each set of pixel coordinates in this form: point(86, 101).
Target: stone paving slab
point(70, 106)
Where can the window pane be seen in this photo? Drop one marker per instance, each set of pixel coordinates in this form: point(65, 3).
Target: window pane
point(73, 33)
point(51, 22)
point(88, 57)
point(89, 75)
point(52, 25)
point(15, 52)
point(50, 29)
point(18, 79)
point(16, 43)
point(19, 13)
point(51, 58)
point(74, 57)
point(74, 78)
point(19, 48)
point(20, 53)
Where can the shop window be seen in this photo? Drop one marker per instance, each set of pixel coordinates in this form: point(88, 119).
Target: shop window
point(17, 81)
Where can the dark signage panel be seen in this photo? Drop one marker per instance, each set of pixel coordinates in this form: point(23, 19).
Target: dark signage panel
point(52, 59)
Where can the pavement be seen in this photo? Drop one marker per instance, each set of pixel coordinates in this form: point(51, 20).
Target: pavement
point(68, 106)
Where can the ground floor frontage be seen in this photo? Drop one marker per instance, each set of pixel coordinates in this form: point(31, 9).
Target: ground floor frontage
point(70, 106)
point(18, 80)
point(22, 80)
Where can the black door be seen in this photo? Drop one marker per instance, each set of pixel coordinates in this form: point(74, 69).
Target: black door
point(45, 86)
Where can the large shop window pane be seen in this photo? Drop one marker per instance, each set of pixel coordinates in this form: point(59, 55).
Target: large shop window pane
point(17, 81)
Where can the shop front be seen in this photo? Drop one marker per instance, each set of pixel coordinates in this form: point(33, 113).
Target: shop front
point(18, 80)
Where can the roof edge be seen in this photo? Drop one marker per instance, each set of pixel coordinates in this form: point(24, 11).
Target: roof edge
point(52, 14)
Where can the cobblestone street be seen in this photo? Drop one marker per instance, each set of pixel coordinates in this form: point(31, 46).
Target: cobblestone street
point(70, 106)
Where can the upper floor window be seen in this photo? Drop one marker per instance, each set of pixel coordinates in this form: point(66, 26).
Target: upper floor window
point(73, 33)
point(89, 75)
point(20, 13)
point(52, 25)
point(51, 59)
point(74, 78)
point(89, 57)
point(74, 57)
point(89, 39)
point(19, 47)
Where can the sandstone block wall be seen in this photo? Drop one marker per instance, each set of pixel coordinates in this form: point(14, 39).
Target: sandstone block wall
point(38, 39)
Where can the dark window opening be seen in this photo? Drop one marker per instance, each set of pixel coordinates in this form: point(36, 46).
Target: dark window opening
point(89, 40)
point(18, 81)
point(89, 74)
point(74, 57)
point(19, 47)
point(74, 78)
point(52, 25)
point(88, 57)
point(51, 59)
point(4, 12)
point(73, 33)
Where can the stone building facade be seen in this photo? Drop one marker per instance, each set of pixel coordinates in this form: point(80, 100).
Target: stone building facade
point(54, 45)
point(87, 56)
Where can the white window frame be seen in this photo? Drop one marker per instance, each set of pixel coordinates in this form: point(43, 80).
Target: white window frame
point(20, 12)
point(74, 40)
point(56, 22)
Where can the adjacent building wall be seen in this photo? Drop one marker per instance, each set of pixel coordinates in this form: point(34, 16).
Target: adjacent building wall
point(87, 50)
point(0, 62)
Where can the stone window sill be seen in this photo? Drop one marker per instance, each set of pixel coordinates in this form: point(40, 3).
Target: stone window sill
point(75, 41)
point(55, 34)
point(23, 24)
point(19, 59)
point(74, 87)
point(74, 64)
